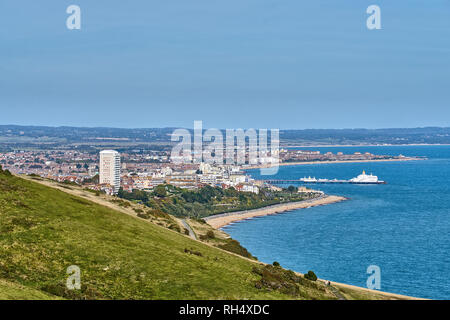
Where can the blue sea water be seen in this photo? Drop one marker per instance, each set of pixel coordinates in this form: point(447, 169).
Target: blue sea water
point(403, 227)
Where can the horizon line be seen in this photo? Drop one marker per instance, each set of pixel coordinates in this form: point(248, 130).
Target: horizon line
point(188, 128)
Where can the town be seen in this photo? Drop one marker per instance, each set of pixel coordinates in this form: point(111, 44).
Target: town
point(109, 170)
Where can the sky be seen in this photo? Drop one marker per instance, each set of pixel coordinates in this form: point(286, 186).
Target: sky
point(288, 64)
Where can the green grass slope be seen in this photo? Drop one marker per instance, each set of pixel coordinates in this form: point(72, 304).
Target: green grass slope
point(43, 231)
point(12, 291)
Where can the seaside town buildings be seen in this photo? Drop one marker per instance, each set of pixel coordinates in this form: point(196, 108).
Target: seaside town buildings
point(145, 170)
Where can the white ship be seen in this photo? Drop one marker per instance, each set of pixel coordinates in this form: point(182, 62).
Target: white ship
point(309, 179)
point(361, 179)
point(366, 178)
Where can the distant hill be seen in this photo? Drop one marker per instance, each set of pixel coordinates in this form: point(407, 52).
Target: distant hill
point(13, 136)
point(43, 231)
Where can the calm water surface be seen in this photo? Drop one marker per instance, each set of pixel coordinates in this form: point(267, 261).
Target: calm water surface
point(403, 227)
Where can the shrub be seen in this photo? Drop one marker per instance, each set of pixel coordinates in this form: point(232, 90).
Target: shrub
point(234, 246)
point(34, 175)
point(159, 214)
point(160, 191)
point(138, 210)
point(310, 276)
point(121, 203)
point(200, 220)
point(208, 236)
point(191, 251)
point(275, 278)
point(174, 227)
point(143, 215)
point(276, 264)
point(186, 231)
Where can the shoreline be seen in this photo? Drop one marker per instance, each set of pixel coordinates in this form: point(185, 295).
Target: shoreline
point(86, 195)
point(220, 220)
point(261, 166)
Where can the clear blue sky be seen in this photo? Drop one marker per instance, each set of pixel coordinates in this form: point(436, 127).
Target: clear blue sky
point(231, 63)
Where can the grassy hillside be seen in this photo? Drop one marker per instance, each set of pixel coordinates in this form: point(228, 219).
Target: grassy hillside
point(43, 231)
point(12, 291)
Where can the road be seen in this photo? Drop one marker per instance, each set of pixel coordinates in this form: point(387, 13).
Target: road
point(188, 227)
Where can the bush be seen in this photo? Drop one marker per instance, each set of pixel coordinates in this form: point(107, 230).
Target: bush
point(138, 210)
point(34, 175)
point(200, 220)
point(234, 246)
point(174, 227)
point(275, 278)
point(121, 203)
point(160, 191)
point(191, 251)
point(143, 215)
point(310, 276)
point(276, 264)
point(208, 236)
point(159, 214)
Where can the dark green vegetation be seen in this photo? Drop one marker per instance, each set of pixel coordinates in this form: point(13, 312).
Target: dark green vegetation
point(311, 276)
point(274, 277)
point(235, 247)
point(218, 238)
point(207, 200)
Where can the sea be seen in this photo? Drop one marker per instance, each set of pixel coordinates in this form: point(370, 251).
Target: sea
point(402, 227)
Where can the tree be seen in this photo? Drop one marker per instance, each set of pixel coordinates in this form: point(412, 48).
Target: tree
point(161, 191)
point(311, 276)
point(291, 189)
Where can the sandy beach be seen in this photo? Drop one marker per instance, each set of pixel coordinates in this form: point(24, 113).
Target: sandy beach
point(220, 220)
point(326, 162)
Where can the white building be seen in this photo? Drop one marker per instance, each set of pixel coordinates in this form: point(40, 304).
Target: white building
point(250, 188)
point(110, 168)
point(208, 179)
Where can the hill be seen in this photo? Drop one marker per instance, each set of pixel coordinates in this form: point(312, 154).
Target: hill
point(13, 137)
point(43, 231)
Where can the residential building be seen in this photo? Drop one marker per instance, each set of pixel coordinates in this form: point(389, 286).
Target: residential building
point(110, 169)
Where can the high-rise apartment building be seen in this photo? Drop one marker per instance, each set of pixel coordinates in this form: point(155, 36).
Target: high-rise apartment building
point(110, 168)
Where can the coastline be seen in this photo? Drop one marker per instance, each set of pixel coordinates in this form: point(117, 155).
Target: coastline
point(101, 201)
point(261, 166)
point(221, 220)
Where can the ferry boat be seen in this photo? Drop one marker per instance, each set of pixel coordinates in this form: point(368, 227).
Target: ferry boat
point(366, 178)
point(361, 179)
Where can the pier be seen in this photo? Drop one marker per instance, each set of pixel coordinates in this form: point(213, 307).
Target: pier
point(322, 181)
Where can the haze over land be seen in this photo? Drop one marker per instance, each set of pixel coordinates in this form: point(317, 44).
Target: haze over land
point(14, 136)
